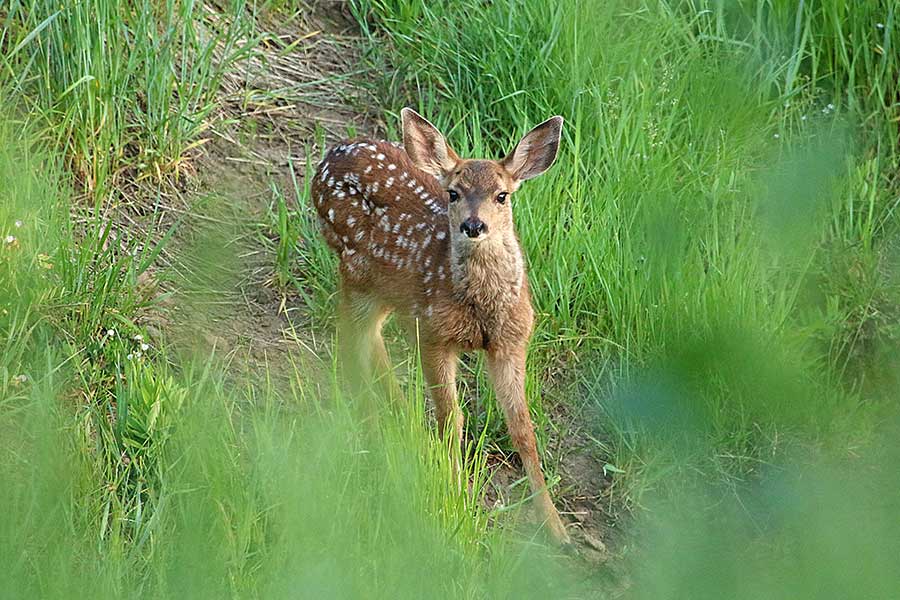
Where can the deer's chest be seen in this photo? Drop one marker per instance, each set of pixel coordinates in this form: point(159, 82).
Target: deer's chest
point(478, 324)
point(486, 303)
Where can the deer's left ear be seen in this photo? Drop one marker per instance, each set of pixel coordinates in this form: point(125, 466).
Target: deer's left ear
point(536, 152)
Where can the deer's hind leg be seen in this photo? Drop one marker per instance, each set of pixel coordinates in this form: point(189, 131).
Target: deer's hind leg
point(361, 317)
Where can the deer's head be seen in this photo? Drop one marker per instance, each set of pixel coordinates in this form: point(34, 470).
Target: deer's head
point(479, 190)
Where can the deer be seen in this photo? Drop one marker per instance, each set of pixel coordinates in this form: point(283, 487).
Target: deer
point(428, 236)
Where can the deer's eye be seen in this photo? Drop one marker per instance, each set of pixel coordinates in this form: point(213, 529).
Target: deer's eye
point(501, 197)
point(454, 196)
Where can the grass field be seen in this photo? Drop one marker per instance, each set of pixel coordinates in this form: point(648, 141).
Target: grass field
point(714, 260)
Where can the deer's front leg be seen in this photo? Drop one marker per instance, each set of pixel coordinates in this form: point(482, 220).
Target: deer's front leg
point(439, 366)
point(507, 371)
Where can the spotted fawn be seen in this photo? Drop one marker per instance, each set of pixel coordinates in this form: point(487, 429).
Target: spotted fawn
point(428, 235)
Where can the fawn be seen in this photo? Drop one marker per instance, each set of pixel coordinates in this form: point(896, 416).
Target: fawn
point(428, 235)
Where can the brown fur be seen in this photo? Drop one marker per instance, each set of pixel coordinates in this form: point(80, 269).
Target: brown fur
point(390, 219)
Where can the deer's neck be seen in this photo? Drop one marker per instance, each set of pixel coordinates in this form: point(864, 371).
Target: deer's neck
point(488, 274)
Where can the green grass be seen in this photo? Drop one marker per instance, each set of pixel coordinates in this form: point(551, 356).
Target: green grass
point(713, 259)
point(120, 85)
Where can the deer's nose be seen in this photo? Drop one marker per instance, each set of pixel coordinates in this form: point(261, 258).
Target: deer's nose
point(473, 227)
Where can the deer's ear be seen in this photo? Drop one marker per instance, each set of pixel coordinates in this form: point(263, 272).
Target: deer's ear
point(536, 152)
point(426, 146)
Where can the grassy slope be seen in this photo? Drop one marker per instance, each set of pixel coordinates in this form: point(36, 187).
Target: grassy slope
point(724, 294)
point(713, 257)
point(123, 477)
point(128, 468)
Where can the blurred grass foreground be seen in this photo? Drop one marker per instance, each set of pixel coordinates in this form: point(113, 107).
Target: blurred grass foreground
point(715, 263)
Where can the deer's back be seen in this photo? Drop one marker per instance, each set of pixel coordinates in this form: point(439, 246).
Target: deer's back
point(386, 220)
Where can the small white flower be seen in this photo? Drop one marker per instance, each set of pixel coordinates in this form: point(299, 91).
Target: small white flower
point(137, 354)
point(20, 379)
point(145, 347)
point(111, 333)
point(830, 106)
point(776, 136)
point(879, 25)
point(130, 356)
point(138, 338)
point(10, 239)
point(803, 118)
point(18, 224)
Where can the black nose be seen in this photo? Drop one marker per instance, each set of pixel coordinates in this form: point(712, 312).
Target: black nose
point(473, 227)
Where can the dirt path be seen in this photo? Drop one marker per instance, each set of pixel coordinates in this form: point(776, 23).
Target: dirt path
point(277, 108)
point(301, 89)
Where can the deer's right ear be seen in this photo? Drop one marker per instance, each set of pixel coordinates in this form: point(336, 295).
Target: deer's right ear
point(426, 146)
